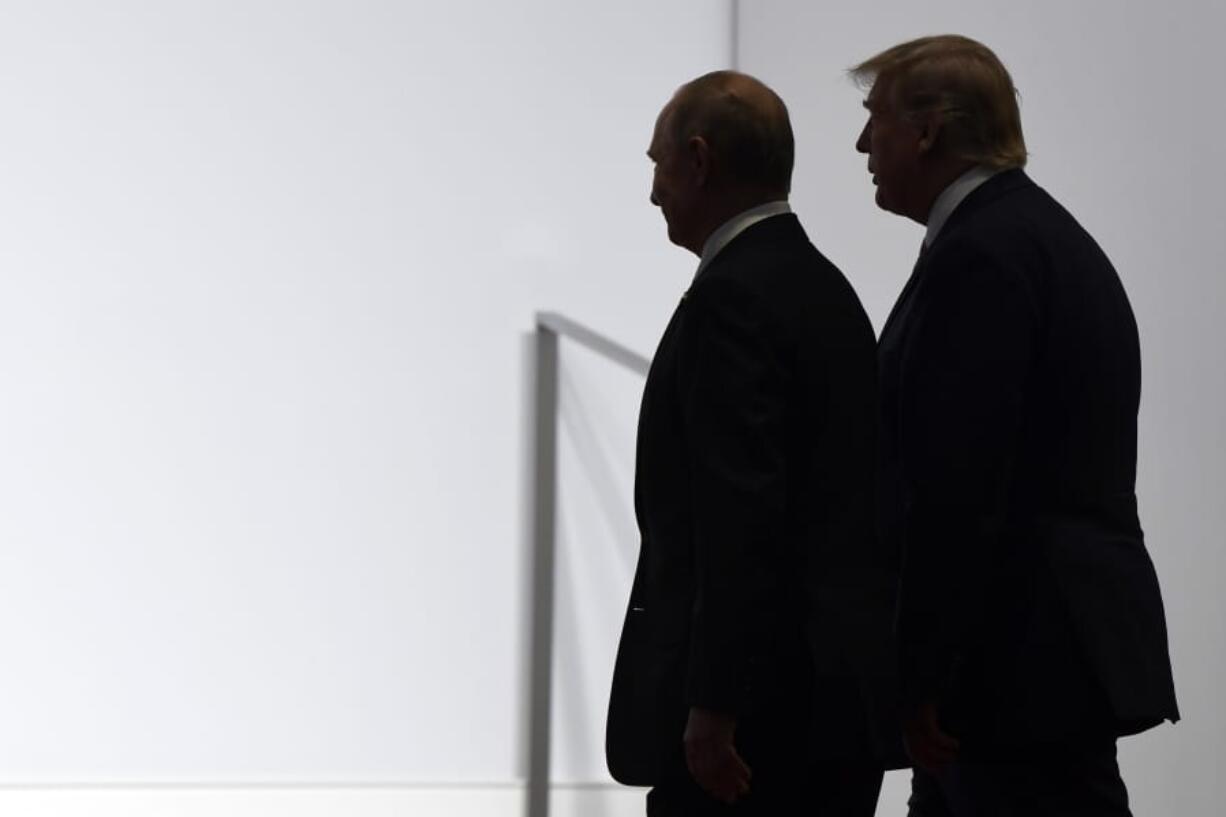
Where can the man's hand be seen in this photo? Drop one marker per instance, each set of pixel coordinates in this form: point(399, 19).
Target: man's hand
point(711, 757)
point(930, 748)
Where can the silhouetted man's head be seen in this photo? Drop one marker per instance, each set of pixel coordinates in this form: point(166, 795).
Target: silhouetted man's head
point(723, 144)
point(937, 106)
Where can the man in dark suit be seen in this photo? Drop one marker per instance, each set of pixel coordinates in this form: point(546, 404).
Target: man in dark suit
point(756, 643)
point(1031, 628)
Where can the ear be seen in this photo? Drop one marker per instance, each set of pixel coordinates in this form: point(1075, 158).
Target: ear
point(929, 132)
point(698, 154)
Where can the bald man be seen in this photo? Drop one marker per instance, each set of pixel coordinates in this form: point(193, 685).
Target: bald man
point(755, 657)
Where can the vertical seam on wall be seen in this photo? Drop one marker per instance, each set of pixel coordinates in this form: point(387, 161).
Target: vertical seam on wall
point(734, 40)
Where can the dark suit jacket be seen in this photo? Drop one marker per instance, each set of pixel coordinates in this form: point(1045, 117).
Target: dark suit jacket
point(753, 494)
point(1010, 381)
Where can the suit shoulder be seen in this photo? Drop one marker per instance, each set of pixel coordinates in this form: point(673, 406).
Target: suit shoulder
point(786, 267)
point(792, 285)
point(1025, 240)
point(1028, 217)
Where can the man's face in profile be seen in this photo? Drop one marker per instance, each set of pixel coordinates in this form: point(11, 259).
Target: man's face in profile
point(672, 185)
point(892, 143)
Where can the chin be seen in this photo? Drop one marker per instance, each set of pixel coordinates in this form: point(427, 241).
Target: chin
point(674, 235)
point(883, 201)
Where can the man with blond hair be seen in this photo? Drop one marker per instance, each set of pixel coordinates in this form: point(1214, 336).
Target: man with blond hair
point(1030, 624)
point(755, 659)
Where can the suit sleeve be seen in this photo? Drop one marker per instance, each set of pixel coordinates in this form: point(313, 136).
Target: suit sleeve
point(733, 386)
point(964, 367)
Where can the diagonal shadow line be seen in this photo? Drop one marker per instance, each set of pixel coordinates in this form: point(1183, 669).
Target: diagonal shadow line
point(581, 723)
point(575, 422)
point(615, 506)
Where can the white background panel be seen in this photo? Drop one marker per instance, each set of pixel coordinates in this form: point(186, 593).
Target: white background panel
point(267, 271)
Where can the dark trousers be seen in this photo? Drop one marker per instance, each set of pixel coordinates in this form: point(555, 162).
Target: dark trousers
point(1077, 780)
point(821, 789)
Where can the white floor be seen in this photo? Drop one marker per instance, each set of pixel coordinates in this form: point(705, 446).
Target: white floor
point(374, 800)
point(308, 801)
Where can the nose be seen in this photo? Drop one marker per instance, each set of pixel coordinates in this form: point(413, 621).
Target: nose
point(865, 135)
point(653, 198)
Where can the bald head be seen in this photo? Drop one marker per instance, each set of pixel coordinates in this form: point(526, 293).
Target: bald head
point(745, 124)
point(721, 146)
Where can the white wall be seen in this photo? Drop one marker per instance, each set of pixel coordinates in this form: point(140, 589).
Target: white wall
point(267, 270)
point(1121, 108)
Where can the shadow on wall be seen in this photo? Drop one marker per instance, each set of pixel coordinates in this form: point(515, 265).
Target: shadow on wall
point(593, 566)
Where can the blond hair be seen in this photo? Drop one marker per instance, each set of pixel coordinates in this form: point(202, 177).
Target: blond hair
point(962, 82)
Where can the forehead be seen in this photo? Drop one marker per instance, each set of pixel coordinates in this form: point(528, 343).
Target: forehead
point(878, 98)
point(660, 132)
point(872, 101)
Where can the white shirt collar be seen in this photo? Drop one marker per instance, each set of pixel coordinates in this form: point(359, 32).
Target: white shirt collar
point(736, 225)
point(952, 196)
